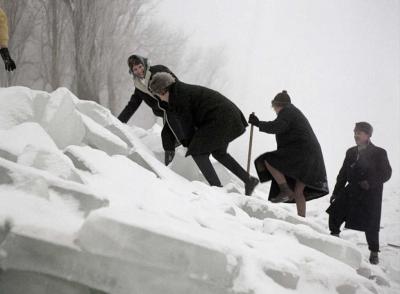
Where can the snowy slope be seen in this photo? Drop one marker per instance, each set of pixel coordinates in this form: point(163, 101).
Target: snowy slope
point(86, 206)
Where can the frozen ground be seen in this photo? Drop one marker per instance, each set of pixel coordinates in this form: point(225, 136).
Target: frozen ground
point(86, 206)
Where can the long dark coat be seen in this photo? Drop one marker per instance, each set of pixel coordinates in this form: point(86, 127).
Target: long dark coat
point(298, 155)
point(209, 119)
point(361, 208)
point(169, 139)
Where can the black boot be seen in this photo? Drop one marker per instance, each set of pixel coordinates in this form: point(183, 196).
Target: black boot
point(373, 257)
point(250, 185)
point(284, 195)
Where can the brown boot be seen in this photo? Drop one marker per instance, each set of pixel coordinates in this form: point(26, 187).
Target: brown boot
point(284, 195)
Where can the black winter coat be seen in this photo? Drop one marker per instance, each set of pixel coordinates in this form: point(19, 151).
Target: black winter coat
point(361, 208)
point(298, 155)
point(209, 120)
point(169, 139)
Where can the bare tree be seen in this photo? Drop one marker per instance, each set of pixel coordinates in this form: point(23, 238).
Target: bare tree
point(84, 45)
point(22, 19)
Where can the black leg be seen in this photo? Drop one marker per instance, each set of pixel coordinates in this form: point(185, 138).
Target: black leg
point(372, 240)
point(231, 164)
point(206, 168)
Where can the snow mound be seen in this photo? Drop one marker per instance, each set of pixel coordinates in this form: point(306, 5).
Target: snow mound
point(87, 206)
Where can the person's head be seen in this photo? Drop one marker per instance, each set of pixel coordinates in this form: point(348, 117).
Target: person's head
point(281, 100)
point(160, 84)
point(137, 66)
point(362, 133)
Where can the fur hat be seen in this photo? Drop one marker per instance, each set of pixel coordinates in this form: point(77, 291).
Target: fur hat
point(281, 99)
point(364, 127)
point(160, 82)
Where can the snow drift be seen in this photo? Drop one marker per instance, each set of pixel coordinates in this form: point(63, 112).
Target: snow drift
point(86, 206)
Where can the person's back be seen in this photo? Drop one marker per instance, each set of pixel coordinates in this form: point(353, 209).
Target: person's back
point(299, 131)
point(204, 103)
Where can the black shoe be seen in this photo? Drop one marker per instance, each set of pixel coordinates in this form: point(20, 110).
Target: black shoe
point(373, 257)
point(335, 235)
point(250, 185)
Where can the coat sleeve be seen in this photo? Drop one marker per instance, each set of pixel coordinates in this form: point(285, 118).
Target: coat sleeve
point(383, 170)
point(278, 126)
point(341, 179)
point(131, 107)
point(3, 29)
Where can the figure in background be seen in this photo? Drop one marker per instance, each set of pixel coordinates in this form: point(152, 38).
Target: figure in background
point(297, 167)
point(357, 196)
point(8, 62)
point(210, 122)
point(140, 69)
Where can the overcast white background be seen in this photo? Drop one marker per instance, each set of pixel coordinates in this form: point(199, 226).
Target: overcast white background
point(338, 60)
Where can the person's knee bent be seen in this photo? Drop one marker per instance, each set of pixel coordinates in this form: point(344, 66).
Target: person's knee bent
point(219, 154)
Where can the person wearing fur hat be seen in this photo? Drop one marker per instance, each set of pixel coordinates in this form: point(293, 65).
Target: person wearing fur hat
point(296, 168)
point(215, 121)
point(141, 71)
point(9, 64)
point(357, 196)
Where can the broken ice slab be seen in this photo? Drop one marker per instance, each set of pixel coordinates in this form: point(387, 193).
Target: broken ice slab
point(100, 138)
point(305, 232)
point(331, 246)
point(17, 282)
point(7, 155)
point(116, 274)
point(24, 176)
point(260, 209)
point(143, 241)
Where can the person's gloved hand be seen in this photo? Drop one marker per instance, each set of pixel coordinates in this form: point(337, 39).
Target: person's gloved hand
point(333, 198)
point(8, 62)
point(169, 156)
point(253, 119)
point(364, 185)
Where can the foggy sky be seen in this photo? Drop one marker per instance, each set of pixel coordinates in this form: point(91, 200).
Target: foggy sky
point(338, 60)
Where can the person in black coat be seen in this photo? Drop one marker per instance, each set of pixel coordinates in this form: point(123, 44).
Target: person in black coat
point(210, 122)
point(357, 196)
point(141, 70)
point(297, 164)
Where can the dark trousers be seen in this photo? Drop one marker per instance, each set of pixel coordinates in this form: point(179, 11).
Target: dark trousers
point(372, 236)
point(221, 155)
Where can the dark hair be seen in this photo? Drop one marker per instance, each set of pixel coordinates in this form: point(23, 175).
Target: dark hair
point(135, 60)
point(365, 127)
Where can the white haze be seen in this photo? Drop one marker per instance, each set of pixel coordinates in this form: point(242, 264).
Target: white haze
point(339, 61)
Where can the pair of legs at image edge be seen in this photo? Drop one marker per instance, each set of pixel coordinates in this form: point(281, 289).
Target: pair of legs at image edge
point(286, 193)
point(372, 237)
point(221, 155)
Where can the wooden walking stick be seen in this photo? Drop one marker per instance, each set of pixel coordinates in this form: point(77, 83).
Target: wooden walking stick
point(250, 145)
